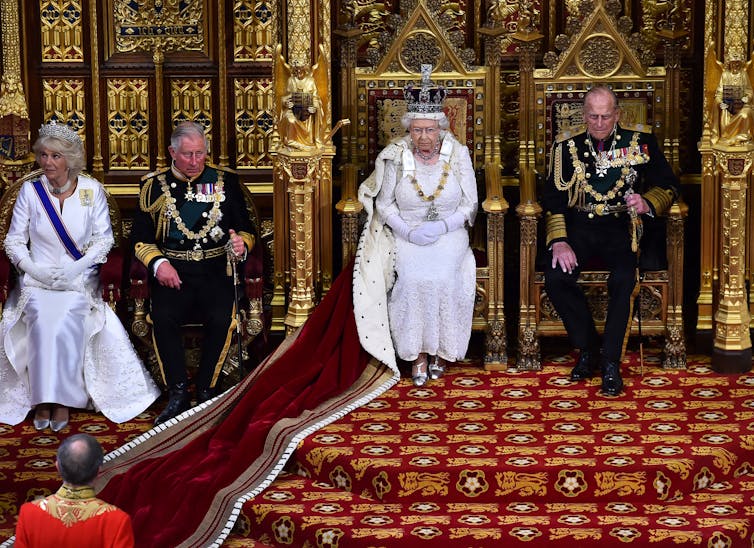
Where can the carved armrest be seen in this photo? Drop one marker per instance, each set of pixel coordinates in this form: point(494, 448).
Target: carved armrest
point(139, 292)
point(111, 277)
point(254, 320)
point(137, 276)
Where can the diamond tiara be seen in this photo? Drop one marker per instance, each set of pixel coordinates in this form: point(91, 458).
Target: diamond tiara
point(427, 98)
point(60, 131)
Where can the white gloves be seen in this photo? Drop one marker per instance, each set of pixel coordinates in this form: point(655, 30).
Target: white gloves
point(42, 275)
point(427, 232)
point(66, 275)
point(58, 277)
point(399, 226)
point(454, 221)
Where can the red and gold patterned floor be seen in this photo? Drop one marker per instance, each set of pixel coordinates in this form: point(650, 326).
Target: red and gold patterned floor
point(489, 459)
point(497, 459)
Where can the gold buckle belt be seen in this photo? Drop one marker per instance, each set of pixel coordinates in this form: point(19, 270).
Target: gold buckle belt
point(195, 254)
point(602, 209)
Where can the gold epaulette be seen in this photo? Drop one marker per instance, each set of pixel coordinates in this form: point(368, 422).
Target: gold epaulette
point(569, 133)
point(155, 173)
point(221, 168)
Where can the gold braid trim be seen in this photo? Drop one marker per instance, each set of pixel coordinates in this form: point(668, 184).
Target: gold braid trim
point(660, 198)
point(555, 227)
point(146, 253)
point(248, 239)
point(156, 209)
point(71, 507)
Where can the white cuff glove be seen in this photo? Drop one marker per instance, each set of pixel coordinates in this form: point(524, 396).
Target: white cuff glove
point(427, 233)
point(42, 275)
point(67, 274)
point(454, 222)
point(399, 226)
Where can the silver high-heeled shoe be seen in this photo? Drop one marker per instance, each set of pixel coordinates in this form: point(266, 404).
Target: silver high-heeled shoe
point(58, 425)
point(437, 368)
point(41, 423)
point(419, 370)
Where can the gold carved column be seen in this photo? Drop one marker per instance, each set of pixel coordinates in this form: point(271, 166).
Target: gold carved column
point(349, 206)
point(495, 207)
point(303, 163)
point(528, 209)
point(301, 172)
point(15, 156)
point(732, 343)
point(727, 150)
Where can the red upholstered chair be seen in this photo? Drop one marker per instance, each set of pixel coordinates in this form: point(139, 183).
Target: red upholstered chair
point(255, 311)
point(111, 273)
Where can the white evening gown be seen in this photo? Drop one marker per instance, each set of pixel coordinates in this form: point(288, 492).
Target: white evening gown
point(431, 303)
point(66, 347)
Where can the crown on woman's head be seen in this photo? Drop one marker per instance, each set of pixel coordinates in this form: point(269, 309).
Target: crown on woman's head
point(60, 131)
point(428, 97)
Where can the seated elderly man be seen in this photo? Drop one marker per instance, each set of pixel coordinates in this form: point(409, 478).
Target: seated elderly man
point(600, 183)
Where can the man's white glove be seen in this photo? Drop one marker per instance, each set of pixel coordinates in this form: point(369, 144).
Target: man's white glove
point(454, 221)
point(42, 275)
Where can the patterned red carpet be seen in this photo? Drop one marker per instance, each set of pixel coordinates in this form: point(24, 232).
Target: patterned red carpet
point(489, 459)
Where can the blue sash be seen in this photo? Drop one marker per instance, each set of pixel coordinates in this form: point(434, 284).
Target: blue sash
point(56, 221)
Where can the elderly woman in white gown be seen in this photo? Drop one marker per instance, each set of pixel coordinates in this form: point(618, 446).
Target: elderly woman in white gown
point(424, 189)
point(62, 346)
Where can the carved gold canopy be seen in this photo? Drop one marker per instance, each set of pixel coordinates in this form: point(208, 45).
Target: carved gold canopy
point(379, 90)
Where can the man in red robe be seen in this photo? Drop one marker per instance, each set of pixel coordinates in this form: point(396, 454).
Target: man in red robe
point(74, 517)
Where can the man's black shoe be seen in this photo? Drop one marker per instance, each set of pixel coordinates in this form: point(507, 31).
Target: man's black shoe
point(204, 394)
point(612, 383)
point(178, 402)
point(584, 368)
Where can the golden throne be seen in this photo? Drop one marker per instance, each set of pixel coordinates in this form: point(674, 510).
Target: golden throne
point(600, 52)
point(373, 98)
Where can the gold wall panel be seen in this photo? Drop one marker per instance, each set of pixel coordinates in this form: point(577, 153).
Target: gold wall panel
point(254, 120)
point(191, 99)
point(64, 100)
point(128, 123)
point(150, 25)
point(253, 31)
point(61, 33)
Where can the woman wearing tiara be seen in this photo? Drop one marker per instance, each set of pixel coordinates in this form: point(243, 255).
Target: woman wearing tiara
point(424, 189)
point(62, 346)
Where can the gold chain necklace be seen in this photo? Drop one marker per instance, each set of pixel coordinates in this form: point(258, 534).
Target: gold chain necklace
point(432, 213)
point(213, 217)
point(633, 156)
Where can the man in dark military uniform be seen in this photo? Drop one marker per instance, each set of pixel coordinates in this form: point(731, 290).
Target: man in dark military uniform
point(191, 216)
point(600, 183)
